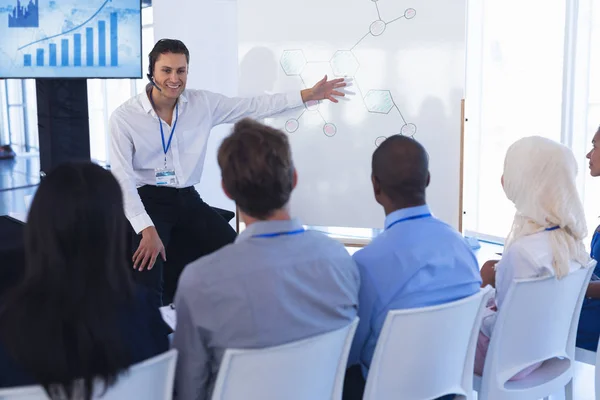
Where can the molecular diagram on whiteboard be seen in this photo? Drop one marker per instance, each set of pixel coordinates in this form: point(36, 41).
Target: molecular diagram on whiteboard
point(344, 63)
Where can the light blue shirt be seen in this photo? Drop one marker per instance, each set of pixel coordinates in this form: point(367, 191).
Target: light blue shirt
point(417, 261)
point(276, 284)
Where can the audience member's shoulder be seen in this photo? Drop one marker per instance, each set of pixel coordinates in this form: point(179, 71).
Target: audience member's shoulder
point(538, 242)
point(203, 270)
point(531, 249)
point(378, 248)
point(447, 233)
point(381, 242)
point(322, 241)
point(444, 227)
point(388, 241)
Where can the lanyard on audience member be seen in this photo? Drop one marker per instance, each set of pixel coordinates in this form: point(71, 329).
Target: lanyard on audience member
point(420, 216)
point(162, 133)
point(276, 234)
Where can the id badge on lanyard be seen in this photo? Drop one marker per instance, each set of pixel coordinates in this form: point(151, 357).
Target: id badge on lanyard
point(166, 176)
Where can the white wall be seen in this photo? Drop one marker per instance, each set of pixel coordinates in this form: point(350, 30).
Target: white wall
point(208, 29)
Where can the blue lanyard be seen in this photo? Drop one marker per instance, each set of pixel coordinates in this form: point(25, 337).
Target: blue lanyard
point(420, 216)
point(553, 228)
point(276, 234)
point(162, 133)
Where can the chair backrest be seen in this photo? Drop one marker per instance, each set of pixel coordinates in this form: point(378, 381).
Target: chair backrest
point(23, 393)
point(312, 368)
point(151, 379)
point(425, 353)
point(537, 322)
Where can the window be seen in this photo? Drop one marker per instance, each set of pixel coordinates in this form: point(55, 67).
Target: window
point(105, 95)
point(19, 114)
point(513, 92)
point(589, 90)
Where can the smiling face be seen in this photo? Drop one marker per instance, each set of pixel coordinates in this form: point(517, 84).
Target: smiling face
point(170, 74)
point(594, 155)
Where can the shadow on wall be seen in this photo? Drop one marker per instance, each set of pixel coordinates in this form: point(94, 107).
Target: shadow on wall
point(258, 72)
point(443, 148)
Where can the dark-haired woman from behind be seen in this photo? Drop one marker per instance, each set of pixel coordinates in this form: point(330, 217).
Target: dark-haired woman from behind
point(76, 316)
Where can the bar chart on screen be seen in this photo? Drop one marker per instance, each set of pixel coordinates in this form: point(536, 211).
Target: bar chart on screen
point(75, 38)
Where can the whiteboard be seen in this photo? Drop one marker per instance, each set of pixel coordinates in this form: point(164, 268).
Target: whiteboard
point(407, 60)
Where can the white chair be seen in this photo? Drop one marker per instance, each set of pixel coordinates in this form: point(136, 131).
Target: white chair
point(537, 323)
point(23, 393)
point(151, 379)
point(312, 368)
point(425, 353)
point(591, 358)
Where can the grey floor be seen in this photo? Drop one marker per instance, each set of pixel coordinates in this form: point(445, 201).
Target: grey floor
point(18, 178)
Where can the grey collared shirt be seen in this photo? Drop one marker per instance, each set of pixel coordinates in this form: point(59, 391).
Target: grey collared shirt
point(272, 286)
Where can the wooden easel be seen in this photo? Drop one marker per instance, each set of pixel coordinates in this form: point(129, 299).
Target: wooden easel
point(462, 161)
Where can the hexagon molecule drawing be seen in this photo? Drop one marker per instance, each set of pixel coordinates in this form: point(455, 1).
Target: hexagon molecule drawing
point(379, 101)
point(293, 62)
point(344, 63)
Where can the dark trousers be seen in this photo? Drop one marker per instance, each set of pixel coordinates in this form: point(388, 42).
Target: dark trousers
point(189, 229)
point(354, 385)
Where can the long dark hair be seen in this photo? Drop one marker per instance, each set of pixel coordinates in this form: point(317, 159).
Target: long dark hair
point(61, 322)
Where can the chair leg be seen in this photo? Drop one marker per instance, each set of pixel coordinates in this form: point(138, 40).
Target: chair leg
point(569, 390)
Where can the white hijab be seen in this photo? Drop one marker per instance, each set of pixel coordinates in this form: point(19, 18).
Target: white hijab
point(539, 178)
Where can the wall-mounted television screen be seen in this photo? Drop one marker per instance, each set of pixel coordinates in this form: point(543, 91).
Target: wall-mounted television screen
point(70, 39)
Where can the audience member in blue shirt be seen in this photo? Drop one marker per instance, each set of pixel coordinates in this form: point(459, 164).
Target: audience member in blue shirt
point(417, 261)
point(76, 316)
point(588, 330)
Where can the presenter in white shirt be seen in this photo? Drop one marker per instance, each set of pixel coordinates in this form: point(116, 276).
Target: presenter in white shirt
point(158, 147)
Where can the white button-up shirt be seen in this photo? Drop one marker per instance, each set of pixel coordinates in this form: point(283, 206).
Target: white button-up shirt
point(136, 146)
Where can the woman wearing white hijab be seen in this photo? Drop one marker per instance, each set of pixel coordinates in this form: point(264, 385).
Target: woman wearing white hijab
point(548, 227)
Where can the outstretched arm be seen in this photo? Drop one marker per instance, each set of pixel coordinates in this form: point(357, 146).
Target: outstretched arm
point(224, 110)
